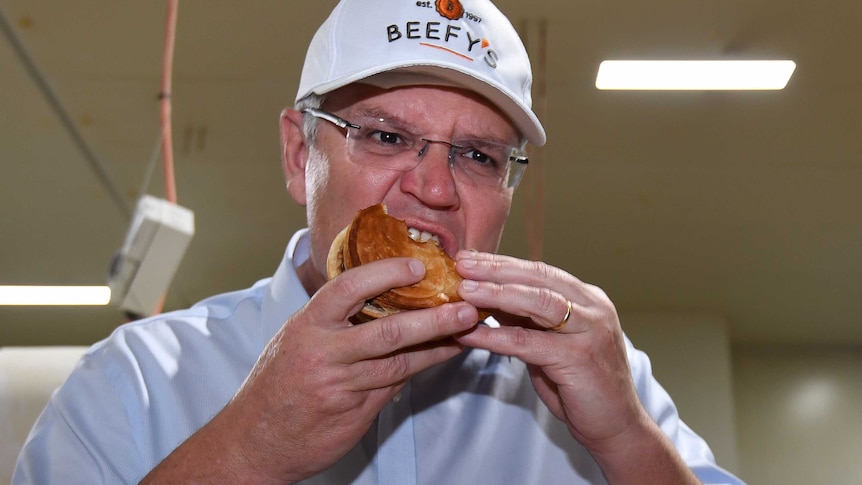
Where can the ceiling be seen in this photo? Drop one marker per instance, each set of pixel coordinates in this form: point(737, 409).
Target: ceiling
point(744, 205)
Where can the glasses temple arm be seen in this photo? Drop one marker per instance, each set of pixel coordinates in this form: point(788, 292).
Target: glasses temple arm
point(335, 120)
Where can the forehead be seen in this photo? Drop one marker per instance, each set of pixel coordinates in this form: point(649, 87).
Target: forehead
point(433, 108)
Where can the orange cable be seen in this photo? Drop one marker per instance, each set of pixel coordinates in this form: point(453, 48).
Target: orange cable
point(165, 97)
point(165, 102)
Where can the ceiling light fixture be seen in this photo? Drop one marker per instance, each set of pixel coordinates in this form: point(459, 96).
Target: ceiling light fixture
point(54, 295)
point(694, 75)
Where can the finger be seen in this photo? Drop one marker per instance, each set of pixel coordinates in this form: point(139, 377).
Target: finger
point(531, 346)
point(546, 308)
point(507, 269)
point(393, 333)
point(344, 295)
point(565, 320)
point(395, 369)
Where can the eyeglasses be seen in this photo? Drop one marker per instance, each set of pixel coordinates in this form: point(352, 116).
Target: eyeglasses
point(381, 143)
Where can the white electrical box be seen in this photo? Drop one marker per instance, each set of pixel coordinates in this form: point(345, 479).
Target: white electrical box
point(155, 244)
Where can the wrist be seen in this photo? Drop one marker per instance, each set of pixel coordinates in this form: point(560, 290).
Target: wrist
point(220, 452)
point(642, 454)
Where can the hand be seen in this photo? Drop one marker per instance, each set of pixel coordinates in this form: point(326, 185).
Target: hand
point(580, 371)
point(320, 383)
point(569, 335)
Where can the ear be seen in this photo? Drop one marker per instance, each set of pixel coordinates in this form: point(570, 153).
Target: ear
point(294, 154)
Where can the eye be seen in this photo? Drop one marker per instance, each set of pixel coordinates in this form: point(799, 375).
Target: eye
point(379, 140)
point(386, 138)
point(379, 134)
point(479, 157)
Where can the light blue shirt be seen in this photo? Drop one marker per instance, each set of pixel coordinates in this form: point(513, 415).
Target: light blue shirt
point(134, 397)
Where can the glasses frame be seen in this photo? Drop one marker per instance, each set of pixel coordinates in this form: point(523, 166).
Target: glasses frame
point(513, 177)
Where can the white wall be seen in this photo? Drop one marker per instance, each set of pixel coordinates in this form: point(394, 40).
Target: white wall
point(691, 359)
point(772, 414)
point(799, 414)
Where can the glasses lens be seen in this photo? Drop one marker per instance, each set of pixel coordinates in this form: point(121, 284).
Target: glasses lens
point(483, 162)
point(379, 144)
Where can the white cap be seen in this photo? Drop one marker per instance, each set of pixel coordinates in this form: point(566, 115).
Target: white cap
point(389, 43)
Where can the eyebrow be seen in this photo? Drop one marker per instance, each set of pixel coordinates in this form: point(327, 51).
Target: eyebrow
point(370, 115)
point(380, 113)
point(373, 111)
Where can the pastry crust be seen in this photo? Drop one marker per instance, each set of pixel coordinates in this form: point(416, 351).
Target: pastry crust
point(373, 235)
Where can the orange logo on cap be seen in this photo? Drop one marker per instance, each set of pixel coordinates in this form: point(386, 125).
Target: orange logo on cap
point(451, 9)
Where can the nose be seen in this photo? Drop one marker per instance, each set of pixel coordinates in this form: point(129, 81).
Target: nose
point(432, 181)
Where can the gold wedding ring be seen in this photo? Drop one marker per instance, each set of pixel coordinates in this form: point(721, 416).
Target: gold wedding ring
point(565, 318)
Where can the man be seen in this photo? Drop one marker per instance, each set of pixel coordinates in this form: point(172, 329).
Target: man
point(426, 108)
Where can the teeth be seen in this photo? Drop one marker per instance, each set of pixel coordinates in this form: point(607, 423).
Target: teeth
point(422, 236)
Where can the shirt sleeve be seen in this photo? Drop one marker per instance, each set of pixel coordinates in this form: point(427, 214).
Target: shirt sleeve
point(82, 436)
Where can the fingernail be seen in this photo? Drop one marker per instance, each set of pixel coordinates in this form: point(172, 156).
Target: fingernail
point(465, 314)
point(468, 263)
point(469, 285)
point(416, 267)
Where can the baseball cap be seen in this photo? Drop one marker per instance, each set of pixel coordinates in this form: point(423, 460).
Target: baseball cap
point(390, 43)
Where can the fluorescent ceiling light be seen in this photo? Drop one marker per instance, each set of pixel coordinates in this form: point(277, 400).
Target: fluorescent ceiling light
point(54, 295)
point(694, 75)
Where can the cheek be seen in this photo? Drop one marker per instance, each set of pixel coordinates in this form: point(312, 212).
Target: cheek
point(486, 224)
point(340, 184)
point(317, 180)
point(336, 192)
point(322, 209)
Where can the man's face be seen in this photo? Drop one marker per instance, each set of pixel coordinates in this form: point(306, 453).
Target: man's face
point(428, 197)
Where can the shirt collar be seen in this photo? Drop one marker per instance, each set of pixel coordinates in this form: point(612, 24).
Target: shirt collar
point(285, 294)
